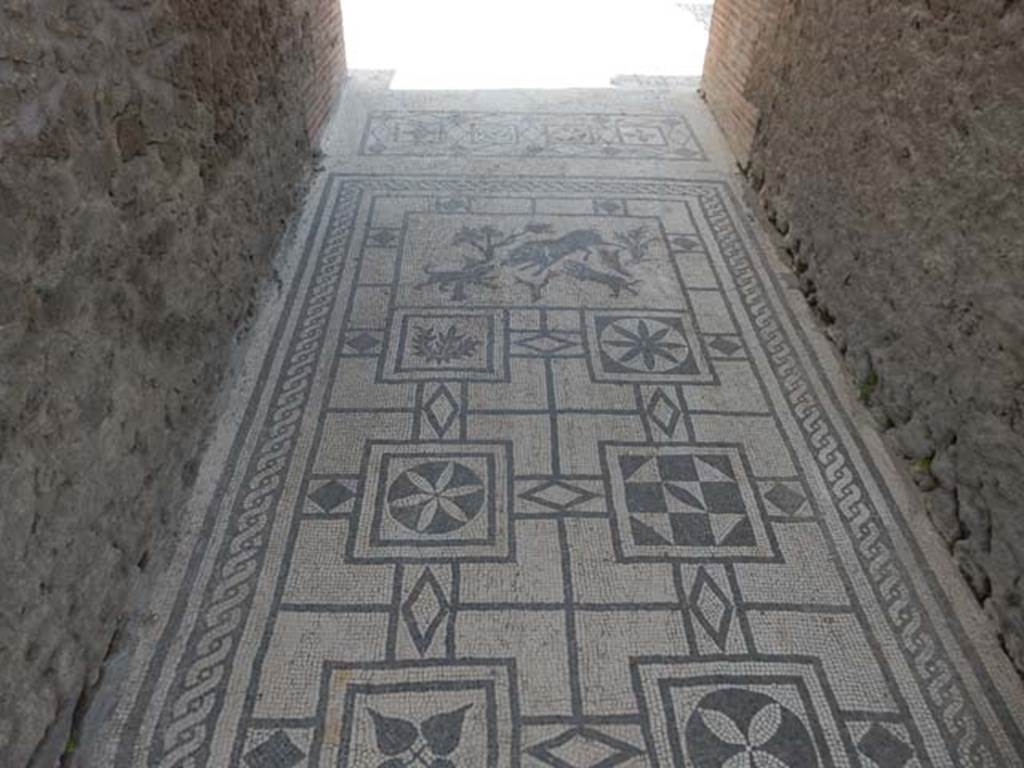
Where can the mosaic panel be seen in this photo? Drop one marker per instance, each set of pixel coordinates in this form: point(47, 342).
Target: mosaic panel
point(541, 475)
point(510, 134)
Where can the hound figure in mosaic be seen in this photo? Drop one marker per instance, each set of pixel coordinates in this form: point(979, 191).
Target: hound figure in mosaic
point(487, 240)
point(534, 258)
point(612, 259)
point(480, 271)
point(536, 289)
point(475, 272)
point(541, 255)
point(615, 283)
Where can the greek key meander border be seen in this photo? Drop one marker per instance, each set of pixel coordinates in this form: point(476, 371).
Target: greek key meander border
point(190, 713)
point(873, 545)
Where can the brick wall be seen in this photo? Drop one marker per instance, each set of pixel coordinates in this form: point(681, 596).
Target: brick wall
point(736, 26)
point(328, 49)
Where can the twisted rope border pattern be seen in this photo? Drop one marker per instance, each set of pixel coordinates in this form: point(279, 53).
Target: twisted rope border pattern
point(188, 726)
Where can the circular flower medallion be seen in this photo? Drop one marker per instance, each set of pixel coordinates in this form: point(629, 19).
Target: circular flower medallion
point(644, 344)
point(737, 728)
point(436, 497)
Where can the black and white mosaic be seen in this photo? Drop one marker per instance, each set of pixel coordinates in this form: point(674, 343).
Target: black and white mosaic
point(542, 472)
point(445, 346)
point(751, 713)
point(684, 501)
point(511, 134)
point(645, 347)
point(427, 500)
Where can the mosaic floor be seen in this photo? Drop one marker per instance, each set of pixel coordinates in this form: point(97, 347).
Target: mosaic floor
point(541, 463)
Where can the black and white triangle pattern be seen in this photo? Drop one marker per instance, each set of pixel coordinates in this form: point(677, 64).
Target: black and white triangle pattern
point(690, 500)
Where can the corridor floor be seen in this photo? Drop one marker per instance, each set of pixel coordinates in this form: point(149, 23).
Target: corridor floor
point(539, 460)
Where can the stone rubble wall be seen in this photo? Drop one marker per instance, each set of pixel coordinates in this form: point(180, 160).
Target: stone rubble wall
point(889, 154)
point(150, 153)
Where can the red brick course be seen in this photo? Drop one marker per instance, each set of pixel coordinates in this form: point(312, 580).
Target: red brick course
point(324, 18)
point(736, 26)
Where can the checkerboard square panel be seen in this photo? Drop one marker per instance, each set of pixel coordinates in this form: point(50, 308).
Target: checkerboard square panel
point(684, 502)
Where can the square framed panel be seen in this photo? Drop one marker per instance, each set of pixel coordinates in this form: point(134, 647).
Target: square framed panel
point(708, 712)
point(420, 713)
point(599, 258)
point(645, 347)
point(435, 344)
point(434, 502)
point(684, 501)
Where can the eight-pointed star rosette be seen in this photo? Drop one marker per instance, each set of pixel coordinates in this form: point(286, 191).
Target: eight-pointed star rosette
point(650, 346)
point(645, 344)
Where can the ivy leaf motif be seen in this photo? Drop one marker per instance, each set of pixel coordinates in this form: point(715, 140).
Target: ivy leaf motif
point(394, 735)
point(764, 725)
point(723, 727)
point(443, 732)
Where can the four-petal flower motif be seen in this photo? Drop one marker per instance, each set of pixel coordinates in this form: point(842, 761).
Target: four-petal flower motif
point(762, 727)
point(742, 728)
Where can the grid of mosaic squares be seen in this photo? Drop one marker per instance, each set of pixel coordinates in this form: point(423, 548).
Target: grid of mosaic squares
point(543, 475)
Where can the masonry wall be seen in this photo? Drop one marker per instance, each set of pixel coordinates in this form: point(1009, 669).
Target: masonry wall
point(150, 152)
point(736, 26)
point(889, 153)
point(327, 49)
